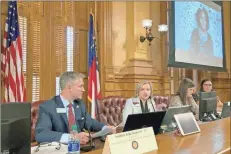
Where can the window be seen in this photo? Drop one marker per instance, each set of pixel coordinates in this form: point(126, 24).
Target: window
point(70, 44)
point(57, 86)
point(69, 54)
point(36, 50)
point(35, 88)
point(23, 36)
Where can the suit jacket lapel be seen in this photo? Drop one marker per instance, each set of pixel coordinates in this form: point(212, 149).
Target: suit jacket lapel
point(136, 105)
point(151, 105)
point(63, 115)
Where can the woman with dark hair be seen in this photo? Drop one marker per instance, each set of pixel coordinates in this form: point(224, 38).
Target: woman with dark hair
point(184, 96)
point(201, 40)
point(206, 86)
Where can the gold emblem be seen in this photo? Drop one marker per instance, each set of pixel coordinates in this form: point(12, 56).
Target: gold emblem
point(135, 145)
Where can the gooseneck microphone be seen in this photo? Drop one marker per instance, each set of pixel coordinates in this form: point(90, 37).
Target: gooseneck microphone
point(91, 145)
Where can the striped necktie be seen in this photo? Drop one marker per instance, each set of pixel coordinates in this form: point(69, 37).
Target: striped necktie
point(71, 117)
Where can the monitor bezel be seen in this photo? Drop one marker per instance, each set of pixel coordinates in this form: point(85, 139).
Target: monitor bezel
point(171, 59)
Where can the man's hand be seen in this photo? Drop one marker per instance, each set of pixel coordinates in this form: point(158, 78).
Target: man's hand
point(83, 137)
point(112, 128)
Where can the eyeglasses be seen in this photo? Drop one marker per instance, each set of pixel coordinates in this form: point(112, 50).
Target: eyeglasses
point(47, 144)
point(207, 84)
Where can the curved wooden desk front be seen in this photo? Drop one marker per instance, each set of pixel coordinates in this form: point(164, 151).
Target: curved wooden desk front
point(213, 138)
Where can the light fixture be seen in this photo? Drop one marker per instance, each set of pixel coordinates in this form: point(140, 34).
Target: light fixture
point(163, 28)
point(147, 24)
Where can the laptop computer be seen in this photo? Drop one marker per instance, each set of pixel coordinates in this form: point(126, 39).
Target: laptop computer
point(169, 116)
point(138, 121)
point(226, 110)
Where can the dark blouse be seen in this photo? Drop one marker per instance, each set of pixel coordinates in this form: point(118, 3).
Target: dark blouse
point(144, 108)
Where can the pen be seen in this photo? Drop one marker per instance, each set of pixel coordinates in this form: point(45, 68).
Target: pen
point(86, 131)
point(118, 125)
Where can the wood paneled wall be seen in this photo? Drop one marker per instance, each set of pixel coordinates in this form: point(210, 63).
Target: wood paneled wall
point(124, 61)
point(46, 47)
point(133, 61)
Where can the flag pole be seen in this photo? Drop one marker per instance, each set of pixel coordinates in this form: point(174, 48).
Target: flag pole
point(95, 27)
point(96, 50)
point(88, 57)
point(91, 11)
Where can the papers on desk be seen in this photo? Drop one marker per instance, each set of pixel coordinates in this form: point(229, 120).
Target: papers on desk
point(51, 148)
point(103, 132)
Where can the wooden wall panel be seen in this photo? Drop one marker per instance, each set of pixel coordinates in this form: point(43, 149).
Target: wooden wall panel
point(222, 80)
point(81, 61)
point(82, 46)
point(57, 9)
point(59, 39)
point(38, 7)
point(46, 54)
point(82, 13)
point(47, 22)
point(70, 12)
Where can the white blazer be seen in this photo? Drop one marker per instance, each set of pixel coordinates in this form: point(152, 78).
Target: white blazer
point(132, 106)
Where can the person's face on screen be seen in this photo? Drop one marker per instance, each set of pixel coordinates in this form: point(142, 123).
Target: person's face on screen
point(207, 86)
point(145, 92)
point(203, 22)
point(190, 92)
point(77, 88)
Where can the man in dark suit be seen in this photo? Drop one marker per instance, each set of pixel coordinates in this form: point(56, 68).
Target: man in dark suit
point(58, 115)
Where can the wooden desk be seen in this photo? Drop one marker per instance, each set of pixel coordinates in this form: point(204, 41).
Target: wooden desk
point(213, 138)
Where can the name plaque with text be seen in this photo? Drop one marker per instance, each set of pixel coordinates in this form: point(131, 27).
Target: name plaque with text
point(135, 142)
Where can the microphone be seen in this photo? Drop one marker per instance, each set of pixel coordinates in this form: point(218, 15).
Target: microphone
point(91, 146)
point(164, 108)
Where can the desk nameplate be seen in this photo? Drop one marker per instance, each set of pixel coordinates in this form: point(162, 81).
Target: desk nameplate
point(135, 142)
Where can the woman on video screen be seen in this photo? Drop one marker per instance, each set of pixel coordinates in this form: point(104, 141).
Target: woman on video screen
point(201, 40)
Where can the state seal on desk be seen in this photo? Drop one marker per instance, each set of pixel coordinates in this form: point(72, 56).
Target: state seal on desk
point(135, 145)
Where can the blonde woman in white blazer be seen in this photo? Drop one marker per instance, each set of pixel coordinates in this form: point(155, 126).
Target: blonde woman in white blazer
point(142, 103)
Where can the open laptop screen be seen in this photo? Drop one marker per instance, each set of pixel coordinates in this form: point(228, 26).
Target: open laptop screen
point(138, 121)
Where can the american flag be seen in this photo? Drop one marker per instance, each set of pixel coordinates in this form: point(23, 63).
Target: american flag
point(93, 70)
point(11, 58)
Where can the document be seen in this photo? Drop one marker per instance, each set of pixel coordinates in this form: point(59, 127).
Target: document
point(103, 132)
